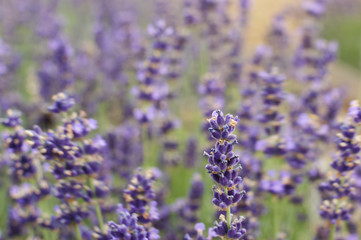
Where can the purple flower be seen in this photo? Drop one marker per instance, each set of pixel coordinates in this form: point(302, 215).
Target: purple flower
point(15, 142)
point(56, 72)
point(355, 112)
point(67, 214)
point(58, 146)
point(334, 188)
point(191, 153)
point(12, 120)
point(18, 218)
point(349, 148)
point(272, 95)
point(282, 185)
point(24, 195)
point(234, 231)
point(69, 190)
point(23, 167)
point(140, 196)
point(340, 190)
point(123, 154)
point(150, 89)
point(129, 228)
point(222, 168)
point(313, 56)
point(297, 153)
point(278, 36)
point(144, 116)
point(211, 89)
point(314, 8)
point(199, 229)
point(191, 13)
point(76, 164)
point(177, 45)
point(189, 210)
point(334, 211)
point(62, 103)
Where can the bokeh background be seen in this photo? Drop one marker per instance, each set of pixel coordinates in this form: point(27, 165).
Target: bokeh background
point(28, 27)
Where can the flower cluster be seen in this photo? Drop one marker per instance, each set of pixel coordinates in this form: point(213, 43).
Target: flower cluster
point(75, 162)
point(348, 147)
point(140, 198)
point(313, 54)
point(150, 89)
point(65, 175)
point(128, 227)
point(211, 89)
point(222, 167)
point(122, 153)
point(189, 212)
point(168, 121)
point(270, 117)
point(9, 64)
point(199, 229)
point(283, 185)
point(62, 103)
point(339, 190)
point(28, 186)
point(272, 96)
point(56, 73)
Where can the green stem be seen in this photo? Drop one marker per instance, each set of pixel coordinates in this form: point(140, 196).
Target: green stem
point(97, 207)
point(31, 232)
point(46, 233)
point(145, 145)
point(332, 232)
point(229, 219)
point(99, 216)
point(275, 218)
point(333, 226)
point(77, 232)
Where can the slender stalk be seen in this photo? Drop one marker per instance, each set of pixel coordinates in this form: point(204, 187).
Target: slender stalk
point(229, 219)
point(333, 226)
point(77, 232)
point(275, 218)
point(145, 145)
point(39, 170)
point(47, 234)
point(332, 231)
point(98, 211)
point(99, 216)
point(31, 232)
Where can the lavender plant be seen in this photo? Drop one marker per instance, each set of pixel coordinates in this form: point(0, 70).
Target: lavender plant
point(222, 168)
point(28, 186)
point(337, 191)
point(189, 211)
point(126, 96)
point(75, 163)
point(140, 197)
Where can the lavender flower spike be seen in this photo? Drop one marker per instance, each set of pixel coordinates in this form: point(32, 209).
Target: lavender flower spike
point(354, 111)
point(337, 192)
point(140, 199)
point(222, 168)
point(199, 228)
point(129, 228)
point(189, 212)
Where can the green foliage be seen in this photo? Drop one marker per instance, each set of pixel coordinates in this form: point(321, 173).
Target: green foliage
point(346, 29)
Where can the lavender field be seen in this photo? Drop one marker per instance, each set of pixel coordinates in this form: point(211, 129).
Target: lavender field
point(180, 119)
